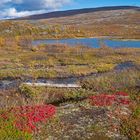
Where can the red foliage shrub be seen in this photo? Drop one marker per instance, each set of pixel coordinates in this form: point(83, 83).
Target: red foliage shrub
point(121, 94)
point(108, 100)
point(4, 116)
point(102, 100)
point(26, 117)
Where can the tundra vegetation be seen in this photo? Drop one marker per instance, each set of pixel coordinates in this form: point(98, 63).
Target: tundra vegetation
point(106, 106)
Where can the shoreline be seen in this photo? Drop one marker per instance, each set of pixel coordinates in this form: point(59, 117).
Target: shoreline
point(94, 37)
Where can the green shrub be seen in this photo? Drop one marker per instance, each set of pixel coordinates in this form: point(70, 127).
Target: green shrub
point(28, 91)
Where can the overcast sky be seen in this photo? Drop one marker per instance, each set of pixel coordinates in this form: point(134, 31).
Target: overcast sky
point(18, 8)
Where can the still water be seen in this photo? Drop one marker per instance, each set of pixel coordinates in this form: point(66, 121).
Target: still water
point(92, 42)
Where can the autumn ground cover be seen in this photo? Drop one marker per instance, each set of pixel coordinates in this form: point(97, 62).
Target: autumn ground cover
point(24, 119)
point(53, 61)
point(105, 107)
point(101, 111)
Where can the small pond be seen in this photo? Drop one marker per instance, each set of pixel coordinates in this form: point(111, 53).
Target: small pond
point(92, 42)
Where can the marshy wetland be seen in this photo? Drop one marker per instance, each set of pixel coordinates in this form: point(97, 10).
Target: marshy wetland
point(63, 79)
point(66, 77)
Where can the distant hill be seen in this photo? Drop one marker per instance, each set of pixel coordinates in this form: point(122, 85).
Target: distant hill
point(67, 13)
point(117, 22)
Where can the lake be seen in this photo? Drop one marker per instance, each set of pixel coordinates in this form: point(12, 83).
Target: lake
point(92, 42)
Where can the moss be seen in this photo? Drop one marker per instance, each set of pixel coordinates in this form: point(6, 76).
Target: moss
point(30, 91)
point(104, 67)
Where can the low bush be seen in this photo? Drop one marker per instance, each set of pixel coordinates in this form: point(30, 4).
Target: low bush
point(118, 98)
point(112, 81)
point(30, 91)
point(21, 122)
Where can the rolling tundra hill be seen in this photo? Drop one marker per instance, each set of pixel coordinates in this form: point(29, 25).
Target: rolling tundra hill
point(117, 22)
point(58, 14)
